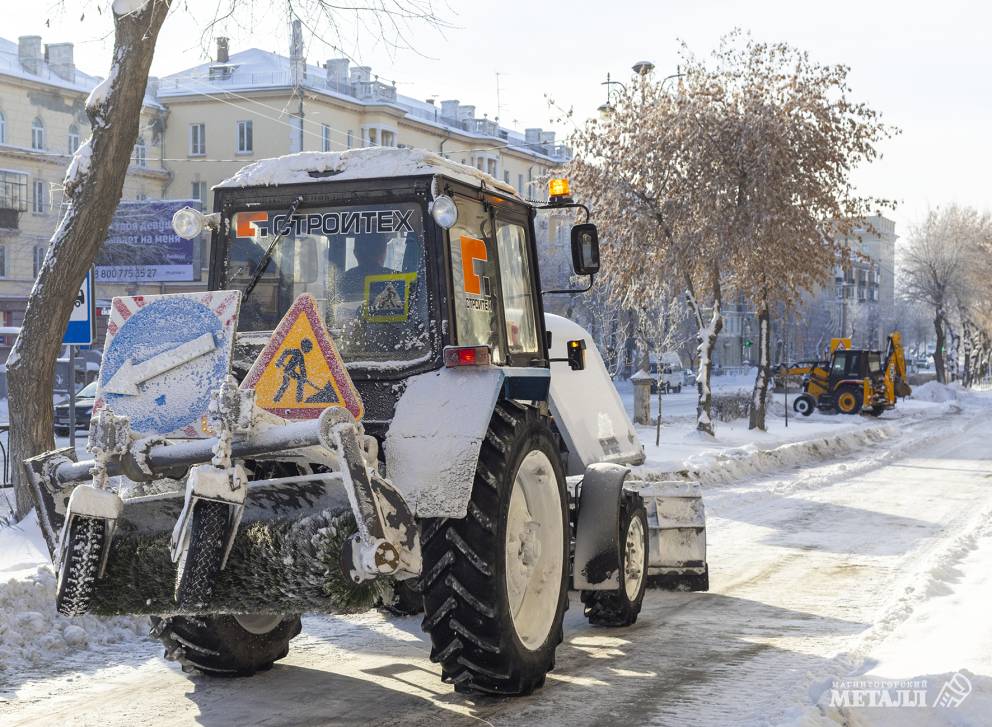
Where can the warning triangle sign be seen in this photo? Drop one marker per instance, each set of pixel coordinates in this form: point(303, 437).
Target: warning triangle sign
point(300, 372)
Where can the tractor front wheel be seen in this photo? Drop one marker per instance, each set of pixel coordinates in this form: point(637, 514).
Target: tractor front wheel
point(620, 607)
point(226, 645)
point(804, 404)
point(848, 400)
point(494, 582)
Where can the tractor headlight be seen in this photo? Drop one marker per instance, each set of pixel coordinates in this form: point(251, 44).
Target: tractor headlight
point(188, 223)
point(444, 211)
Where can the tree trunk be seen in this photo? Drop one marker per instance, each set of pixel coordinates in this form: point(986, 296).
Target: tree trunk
point(706, 336)
point(92, 190)
point(938, 354)
point(759, 396)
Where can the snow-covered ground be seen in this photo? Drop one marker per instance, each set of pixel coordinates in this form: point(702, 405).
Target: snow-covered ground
point(851, 562)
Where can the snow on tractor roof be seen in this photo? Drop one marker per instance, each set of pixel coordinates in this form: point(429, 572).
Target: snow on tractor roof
point(366, 163)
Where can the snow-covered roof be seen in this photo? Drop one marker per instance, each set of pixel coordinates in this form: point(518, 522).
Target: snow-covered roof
point(365, 163)
point(10, 65)
point(255, 70)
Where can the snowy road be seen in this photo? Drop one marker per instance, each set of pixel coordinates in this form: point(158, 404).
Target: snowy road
point(846, 567)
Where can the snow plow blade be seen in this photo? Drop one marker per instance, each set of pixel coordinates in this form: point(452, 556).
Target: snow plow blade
point(677, 525)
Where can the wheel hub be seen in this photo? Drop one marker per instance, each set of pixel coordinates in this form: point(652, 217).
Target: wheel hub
point(534, 549)
point(633, 565)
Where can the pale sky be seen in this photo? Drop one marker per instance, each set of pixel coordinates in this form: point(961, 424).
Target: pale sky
point(925, 66)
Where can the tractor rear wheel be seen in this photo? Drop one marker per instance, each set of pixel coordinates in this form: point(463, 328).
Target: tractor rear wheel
point(848, 400)
point(494, 582)
point(620, 607)
point(226, 645)
point(804, 404)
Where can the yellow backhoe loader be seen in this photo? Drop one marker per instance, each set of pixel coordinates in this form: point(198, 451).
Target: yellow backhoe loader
point(853, 380)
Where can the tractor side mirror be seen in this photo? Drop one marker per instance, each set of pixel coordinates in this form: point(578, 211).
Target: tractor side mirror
point(585, 249)
point(576, 354)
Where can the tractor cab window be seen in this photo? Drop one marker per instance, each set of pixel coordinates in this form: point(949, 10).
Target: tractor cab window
point(846, 363)
point(364, 264)
point(874, 363)
point(474, 277)
point(518, 295)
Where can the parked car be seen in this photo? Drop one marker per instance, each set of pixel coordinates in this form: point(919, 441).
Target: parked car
point(84, 408)
point(672, 372)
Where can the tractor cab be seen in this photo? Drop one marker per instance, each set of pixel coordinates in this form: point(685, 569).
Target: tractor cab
point(415, 263)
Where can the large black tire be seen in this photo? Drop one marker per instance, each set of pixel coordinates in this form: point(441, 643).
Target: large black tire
point(200, 564)
point(618, 608)
point(465, 579)
point(804, 404)
point(407, 598)
point(78, 570)
point(221, 645)
point(848, 400)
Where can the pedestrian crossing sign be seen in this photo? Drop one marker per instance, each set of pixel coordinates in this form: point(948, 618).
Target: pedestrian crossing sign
point(387, 297)
point(300, 372)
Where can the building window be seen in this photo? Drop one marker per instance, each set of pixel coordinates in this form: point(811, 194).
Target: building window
point(37, 134)
point(351, 138)
point(520, 183)
point(3, 261)
point(200, 193)
point(39, 258)
point(13, 190)
point(38, 204)
point(325, 136)
point(197, 140)
point(140, 152)
point(3, 128)
point(73, 138)
point(387, 138)
point(246, 144)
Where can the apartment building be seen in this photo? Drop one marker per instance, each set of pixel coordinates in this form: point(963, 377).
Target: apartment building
point(256, 104)
point(42, 122)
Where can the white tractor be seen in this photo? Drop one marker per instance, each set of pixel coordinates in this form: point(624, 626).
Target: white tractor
point(369, 403)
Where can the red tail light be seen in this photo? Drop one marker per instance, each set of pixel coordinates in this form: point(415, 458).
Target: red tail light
point(467, 356)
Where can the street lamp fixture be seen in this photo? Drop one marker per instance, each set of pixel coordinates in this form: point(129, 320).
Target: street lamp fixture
point(608, 108)
point(643, 68)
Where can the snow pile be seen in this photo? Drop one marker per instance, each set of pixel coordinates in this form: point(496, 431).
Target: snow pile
point(31, 631)
point(365, 163)
point(935, 392)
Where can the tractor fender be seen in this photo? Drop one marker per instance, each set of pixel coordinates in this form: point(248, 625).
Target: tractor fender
point(433, 442)
point(596, 565)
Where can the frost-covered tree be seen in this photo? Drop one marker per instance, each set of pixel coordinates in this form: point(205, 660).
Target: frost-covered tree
point(95, 179)
point(737, 179)
point(941, 268)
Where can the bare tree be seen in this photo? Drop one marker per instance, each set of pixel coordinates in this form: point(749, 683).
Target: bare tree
point(938, 267)
point(93, 186)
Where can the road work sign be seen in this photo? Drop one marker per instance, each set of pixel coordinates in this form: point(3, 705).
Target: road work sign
point(164, 356)
point(300, 373)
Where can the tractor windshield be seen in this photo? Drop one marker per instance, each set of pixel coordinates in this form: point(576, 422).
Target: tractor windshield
point(364, 265)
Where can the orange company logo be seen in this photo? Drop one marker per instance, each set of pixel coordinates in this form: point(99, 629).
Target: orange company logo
point(243, 223)
point(473, 251)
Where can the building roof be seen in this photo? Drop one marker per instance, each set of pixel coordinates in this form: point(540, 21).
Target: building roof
point(258, 70)
point(10, 65)
point(365, 163)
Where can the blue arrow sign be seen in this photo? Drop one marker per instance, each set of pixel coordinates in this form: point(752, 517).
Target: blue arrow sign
point(164, 356)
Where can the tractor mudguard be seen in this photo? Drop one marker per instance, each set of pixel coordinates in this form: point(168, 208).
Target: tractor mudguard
point(432, 445)
point(597, 531)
